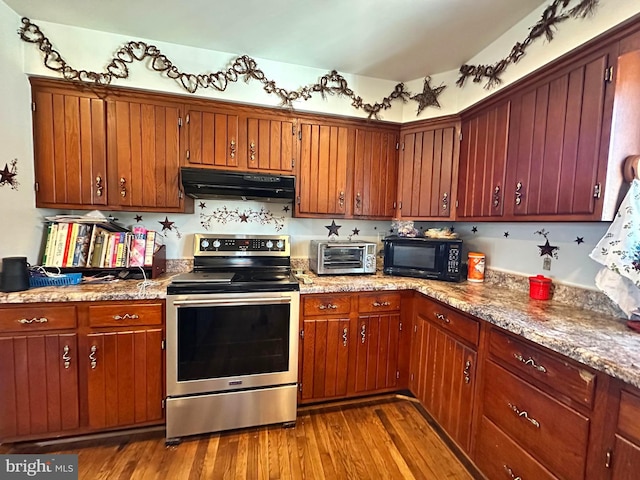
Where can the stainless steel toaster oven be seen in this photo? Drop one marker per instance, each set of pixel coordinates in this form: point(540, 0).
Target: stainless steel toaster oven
point(342, 258)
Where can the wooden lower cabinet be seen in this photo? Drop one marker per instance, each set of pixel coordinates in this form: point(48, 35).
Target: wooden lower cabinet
point(65, 372)
point(624, 457)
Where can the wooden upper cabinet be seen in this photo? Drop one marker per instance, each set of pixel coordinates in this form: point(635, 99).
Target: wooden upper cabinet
point(211, 138)
point(483, 158)
point(326, 155)
point(69, 131)
point(375, 173)
point(144, 154)
point(558, 144)
point(270, 144)
point(429, 172)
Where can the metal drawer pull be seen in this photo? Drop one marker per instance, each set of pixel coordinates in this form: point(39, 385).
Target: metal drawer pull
point(381, 304)
point(510, 472)
point(329, 306)
point(99, 186)
point(125, 316)
point(496, 196)
point(531, 362)
point(518, 193)
point(524, 415)
point(445, 201)
point(442, 317)
point(467, 371)
point(363, 332)
point(123, 187)
point(232, 149)
point(92, 356)
point(25, 321)
point(252, 151)
point(66, 357)
point(344, 337)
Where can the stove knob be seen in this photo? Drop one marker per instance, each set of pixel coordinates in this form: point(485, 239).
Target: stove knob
point(280, 244)
point(216, 244)
point(204, 244)
point(269, 244)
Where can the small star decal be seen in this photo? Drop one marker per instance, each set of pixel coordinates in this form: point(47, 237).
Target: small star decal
point(7, 175)
point(202, 205)
point(391, 230)
point(474, 229)
point(138, 218)
point(506, 234)
point(548, 250)
point(333, 228)
point(243, 217)
point(452, 228)
point(286, 208)
point(429, 95)
point(166, 225)
point(579, 240)
point(355, 231)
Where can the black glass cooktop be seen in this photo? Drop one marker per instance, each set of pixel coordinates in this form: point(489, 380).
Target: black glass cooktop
point(237, 281)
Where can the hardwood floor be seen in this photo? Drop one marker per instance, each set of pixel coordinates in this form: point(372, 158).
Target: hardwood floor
point(382, 439)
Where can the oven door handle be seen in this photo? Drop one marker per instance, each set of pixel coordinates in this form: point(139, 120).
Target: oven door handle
point(229, 302)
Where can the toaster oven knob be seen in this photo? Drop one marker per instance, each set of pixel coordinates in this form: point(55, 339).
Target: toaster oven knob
point(269, 244)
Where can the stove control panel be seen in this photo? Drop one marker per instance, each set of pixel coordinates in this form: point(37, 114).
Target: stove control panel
point(230, 245)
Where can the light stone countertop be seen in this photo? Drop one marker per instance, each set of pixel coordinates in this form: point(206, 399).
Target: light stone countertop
point(595, 339)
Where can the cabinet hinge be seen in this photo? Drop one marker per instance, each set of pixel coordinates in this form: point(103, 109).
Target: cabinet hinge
point(299, 134)
point(179, 122)
point(180, 194)
point(298, 199)
point(460, 136)
point(33, 106)
point(400, 326)
point(301, 333)
point(397, 145)
point(188, 118)
point(397, 374)
point(188, 154)
point(163, 344)
point(596, 191)
point(36, 186)
point(163, 403)
point(300, 387)
point(608, 74)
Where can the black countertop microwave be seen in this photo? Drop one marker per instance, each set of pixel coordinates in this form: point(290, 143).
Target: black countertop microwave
point(434, 258)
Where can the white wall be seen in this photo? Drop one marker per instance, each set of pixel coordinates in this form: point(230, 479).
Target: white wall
point(22, 231)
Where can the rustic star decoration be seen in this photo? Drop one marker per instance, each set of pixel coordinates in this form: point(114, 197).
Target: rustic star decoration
point(138, 218)
point(579, 240)
point(548, 250)
point(286, 208)
point(333, 228)
point(202, 205)
point(429, 95)
point(8, 175)
point(166, 225)
point(452, 229)
point(243, 218)
point(506, 234)
point(355, 231)
point(474, 229)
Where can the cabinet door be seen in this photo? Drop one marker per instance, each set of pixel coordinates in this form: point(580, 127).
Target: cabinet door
point(376, 352)
point(125, 379)
point(39, 378)
point(325, 357)
point(428, 174)
point(375, 173)
point(70, 148)
point(626, 459)
point(144, 160)
point(322, 176)
point(555, 162)
point(211, 138)
point(270, 144)
point(483, 158)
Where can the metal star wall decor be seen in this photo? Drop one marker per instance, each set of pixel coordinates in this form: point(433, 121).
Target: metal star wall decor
point(474, 229)
point(286, 208)
point(8, 175)
point(166, 224)
point(333, 228)
point(547, 249)
point(138, 218)
point(429, 95)
point(579, 240)
point(506, 234)
point(202, 205)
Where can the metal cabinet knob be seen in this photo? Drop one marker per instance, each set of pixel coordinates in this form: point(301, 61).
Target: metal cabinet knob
point(123, 187)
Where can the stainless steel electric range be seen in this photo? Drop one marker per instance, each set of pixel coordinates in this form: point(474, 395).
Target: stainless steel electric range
point(232, 336)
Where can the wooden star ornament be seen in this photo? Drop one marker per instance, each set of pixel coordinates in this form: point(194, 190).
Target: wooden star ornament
point(429, 95)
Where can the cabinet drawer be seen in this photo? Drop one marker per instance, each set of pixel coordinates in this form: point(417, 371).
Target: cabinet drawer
point(24, 318)
point(628, 423)
point(566, 378)
point(379, 302)
point(498, 456)
point(326, 305)
point(125, 314)
point(455, 322)
point(548, 430)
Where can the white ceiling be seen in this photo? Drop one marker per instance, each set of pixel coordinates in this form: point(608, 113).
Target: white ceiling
point(397, 40)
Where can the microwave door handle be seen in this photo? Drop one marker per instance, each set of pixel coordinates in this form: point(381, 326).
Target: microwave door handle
point(231, 303)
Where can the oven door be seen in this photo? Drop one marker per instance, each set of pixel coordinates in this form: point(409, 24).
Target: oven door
point(342, 259)
point(221, 342)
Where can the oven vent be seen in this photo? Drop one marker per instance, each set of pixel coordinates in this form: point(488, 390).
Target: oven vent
point(208, 183)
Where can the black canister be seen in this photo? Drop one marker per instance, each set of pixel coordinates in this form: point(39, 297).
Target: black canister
point(15, 274)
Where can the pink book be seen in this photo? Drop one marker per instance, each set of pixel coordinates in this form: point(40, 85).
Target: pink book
point(136, 255)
